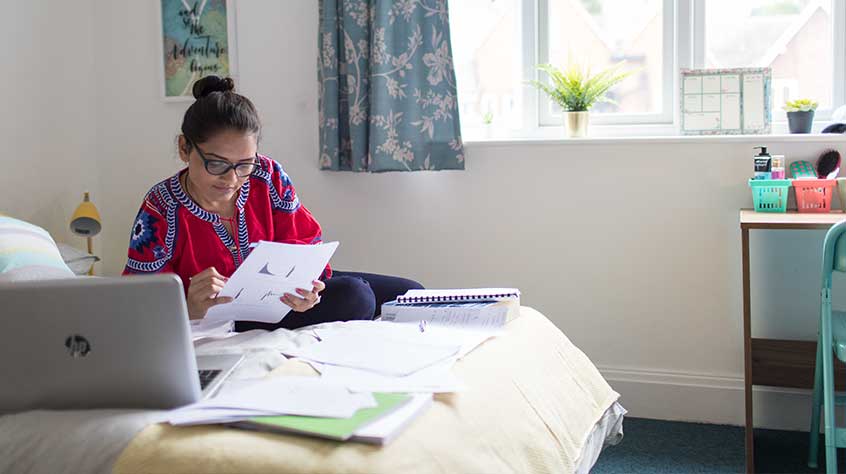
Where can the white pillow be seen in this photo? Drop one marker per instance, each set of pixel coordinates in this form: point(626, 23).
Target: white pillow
point(26, 245)
point(34, 272)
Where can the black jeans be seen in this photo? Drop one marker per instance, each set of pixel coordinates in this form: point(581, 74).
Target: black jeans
point(348, 296)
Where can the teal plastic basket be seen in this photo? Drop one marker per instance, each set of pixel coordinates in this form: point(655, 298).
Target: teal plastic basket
point(770, 195)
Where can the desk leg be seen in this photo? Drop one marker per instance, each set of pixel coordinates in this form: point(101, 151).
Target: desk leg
point(747, 356)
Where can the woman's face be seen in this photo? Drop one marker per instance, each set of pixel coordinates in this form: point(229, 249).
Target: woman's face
point(229, 145)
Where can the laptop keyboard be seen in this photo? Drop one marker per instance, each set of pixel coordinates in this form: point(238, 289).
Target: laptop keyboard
point(206, 376)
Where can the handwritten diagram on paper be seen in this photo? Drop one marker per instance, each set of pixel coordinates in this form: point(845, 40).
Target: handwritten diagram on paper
point(271, 270)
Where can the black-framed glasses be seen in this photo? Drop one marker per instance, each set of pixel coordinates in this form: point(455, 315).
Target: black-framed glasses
point(221, 167)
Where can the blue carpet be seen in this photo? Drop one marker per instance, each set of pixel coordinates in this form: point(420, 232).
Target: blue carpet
point(663, 447)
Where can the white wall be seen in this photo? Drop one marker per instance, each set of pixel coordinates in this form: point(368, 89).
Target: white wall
point(632, 249)
point(47, 128)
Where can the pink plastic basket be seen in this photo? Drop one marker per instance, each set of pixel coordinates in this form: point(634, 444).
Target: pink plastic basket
point(814, 195)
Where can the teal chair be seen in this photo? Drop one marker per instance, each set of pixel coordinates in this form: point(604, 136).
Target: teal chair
point(832, 339)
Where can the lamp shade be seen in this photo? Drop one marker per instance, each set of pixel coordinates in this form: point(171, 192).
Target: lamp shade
point(86, 219)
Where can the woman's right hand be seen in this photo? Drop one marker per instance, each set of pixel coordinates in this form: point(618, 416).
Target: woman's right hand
point(203, 290)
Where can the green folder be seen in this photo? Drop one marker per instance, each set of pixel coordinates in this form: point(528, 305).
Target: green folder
point(332, 428)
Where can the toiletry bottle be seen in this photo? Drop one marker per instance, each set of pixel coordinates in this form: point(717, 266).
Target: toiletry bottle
point(778, 167)
point(763, 164)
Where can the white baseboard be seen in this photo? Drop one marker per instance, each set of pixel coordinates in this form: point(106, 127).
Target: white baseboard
point(706, 399)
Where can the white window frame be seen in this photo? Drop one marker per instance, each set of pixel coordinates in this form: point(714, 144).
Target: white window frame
point(664, 116)
point(684, 47)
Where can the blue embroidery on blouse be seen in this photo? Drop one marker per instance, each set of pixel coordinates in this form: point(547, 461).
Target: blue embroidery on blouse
point(143, 231)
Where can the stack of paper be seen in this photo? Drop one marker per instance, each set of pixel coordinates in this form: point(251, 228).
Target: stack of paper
point(378, 425)
point(478, 316)
point(304, 396)
point(314, 406)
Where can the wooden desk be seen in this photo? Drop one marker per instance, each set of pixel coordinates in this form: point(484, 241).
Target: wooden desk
point(776, 362)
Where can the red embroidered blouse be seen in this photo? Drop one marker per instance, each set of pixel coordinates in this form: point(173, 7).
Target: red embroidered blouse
point(173, 234)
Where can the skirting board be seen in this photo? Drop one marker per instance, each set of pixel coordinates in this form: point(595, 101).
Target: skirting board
point(707, 399)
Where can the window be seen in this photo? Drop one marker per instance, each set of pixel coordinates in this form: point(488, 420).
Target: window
point(793, 37)
point(486, 43)
point(498, 43)
point(601, 33)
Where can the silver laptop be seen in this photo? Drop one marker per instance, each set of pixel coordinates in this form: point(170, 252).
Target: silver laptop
point(101, 343)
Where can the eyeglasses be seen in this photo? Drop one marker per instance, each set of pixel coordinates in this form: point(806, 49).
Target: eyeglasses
point(221, 167)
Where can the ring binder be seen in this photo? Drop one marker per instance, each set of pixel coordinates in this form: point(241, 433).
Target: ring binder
point(458, 295)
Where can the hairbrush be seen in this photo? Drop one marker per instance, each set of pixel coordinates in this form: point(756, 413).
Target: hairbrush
point(828, 164)
point(835, 128)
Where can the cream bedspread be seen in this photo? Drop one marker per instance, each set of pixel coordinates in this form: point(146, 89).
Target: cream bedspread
point(532, 400)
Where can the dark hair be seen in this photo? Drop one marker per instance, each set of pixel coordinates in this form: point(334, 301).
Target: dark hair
point(218, 107)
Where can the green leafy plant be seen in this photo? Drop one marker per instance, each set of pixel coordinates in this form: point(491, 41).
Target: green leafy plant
point(575, 89)
point(487, 119)
point(800, 105)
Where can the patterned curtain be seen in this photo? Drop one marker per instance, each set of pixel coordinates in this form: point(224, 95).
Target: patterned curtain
point(387, 87)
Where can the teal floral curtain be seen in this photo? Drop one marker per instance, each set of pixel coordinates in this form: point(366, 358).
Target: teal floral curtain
point(387, 87)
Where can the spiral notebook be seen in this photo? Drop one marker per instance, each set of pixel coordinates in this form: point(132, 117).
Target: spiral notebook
point(459, 295)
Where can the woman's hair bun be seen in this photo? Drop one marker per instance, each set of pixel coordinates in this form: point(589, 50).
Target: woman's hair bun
point(209, 84)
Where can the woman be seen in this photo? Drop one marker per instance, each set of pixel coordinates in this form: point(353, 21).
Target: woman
point(199, 223)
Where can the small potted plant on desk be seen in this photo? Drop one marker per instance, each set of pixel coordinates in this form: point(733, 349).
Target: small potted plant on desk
point(575, 90)
point(800, 115)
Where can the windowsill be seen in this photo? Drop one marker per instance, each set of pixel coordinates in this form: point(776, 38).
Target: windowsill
point(691, 139)
point(640, 134)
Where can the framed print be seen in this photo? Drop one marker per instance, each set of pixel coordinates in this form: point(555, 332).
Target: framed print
point(725, 101)
point(197, 39)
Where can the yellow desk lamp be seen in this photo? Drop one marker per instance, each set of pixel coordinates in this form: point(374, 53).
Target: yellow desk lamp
point(86, 222)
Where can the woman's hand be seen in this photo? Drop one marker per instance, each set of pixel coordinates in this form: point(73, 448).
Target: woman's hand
point(203, 290)
point(308, 298)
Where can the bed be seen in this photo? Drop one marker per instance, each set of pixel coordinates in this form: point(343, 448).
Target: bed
point(534, 404)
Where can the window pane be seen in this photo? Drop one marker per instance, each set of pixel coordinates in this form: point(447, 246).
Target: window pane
point(794, 37)
point(601, 33)
point(486, 52)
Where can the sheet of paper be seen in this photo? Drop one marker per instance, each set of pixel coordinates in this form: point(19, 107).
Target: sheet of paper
point(305, 396)
point(271, 270)
point(213, 415)
point(200, 328)
point(465, 338)
point(372, 351)
point(458, 315)
point(435, 379)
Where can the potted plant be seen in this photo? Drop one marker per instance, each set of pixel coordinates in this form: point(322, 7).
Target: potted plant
point(800, 115)
point(575, 90)
point(487, 121)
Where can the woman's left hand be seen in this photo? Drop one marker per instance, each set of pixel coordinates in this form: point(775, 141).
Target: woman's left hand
point(307, 299)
